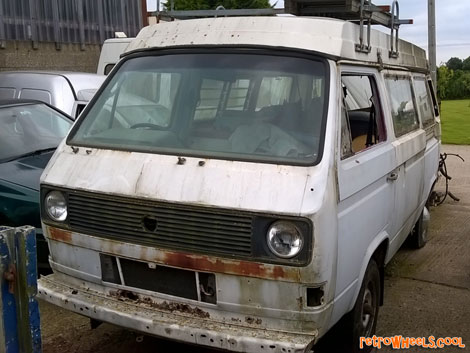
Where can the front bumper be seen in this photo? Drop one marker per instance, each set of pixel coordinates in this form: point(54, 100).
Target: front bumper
point(191, 327)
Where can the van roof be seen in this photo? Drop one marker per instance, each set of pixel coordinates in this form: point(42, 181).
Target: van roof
point(331, 37)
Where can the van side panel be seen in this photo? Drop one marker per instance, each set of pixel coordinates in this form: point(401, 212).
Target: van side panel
point(410, 185)
point(431, 155)
point(431, 163)
point(362, 216)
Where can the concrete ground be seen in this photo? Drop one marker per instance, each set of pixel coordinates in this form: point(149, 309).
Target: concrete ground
point(427, 291)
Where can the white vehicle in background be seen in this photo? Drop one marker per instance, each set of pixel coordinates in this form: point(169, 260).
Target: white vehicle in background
point(67, 91)
point(241, 183)
point(111, 53)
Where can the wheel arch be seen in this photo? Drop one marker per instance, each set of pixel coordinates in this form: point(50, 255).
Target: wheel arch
point(379, 256)
point(376, 251)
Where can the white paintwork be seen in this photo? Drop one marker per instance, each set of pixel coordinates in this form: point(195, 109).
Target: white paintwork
point(219, 183)
point(352, 205)
point(327, 36)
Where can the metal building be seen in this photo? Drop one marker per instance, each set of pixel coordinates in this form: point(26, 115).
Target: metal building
point(69, 21)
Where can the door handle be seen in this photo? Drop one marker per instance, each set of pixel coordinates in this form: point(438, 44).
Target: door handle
point(392, 177)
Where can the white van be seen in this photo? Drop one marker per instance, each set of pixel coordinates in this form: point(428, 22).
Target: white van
point(67, 91)
point(241, 183)
point(111, 53)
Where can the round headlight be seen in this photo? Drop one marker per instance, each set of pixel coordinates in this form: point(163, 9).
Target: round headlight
point(56, 206)
point(284, 239)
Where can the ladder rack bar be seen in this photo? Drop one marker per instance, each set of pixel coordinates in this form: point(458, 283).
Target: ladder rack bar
point(395, 27)
point(218, 13)
point(349, 10)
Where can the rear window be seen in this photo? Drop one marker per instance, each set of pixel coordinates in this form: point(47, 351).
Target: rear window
point(7, 93)
point(405, 118)
point(424, 102)
point(36, 94)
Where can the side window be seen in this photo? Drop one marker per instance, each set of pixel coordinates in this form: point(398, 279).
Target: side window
point(237, 96)
point(423, 101)
point(209, 99)
point(405, 118)
point(363, 116)
point(346, 149)
point(108, 68)
point(79, 110)
point(433, 97)
point(274, 91)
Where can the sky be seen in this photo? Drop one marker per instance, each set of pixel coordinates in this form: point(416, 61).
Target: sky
point(452, 25)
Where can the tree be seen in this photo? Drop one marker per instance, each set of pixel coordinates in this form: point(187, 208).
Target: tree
point(455, 64)
point(212, 4)
point(459, 86)
point(466, 64)
point(444, 76)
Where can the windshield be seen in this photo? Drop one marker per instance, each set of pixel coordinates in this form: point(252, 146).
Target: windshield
point(28, 128)
point(230, 106)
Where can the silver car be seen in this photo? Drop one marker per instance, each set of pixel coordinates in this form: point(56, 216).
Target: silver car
point(67, 91)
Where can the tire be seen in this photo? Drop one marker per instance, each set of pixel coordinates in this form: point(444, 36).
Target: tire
point(419, 235)
point(362, 320)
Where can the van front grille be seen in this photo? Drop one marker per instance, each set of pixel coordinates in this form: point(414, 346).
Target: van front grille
point(158, 224)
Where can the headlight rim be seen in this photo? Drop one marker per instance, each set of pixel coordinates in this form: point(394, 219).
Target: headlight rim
point(299, 234)
point(47, 206)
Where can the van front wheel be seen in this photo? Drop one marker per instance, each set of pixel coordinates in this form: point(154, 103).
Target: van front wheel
point(362, 320)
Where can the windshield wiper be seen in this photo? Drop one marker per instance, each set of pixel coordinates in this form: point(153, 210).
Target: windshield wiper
point(30, 154)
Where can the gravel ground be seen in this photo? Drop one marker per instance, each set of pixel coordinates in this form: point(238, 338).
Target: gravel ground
point(427, 291)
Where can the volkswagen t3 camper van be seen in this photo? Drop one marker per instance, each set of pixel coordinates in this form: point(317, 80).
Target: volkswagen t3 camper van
point(240, 183)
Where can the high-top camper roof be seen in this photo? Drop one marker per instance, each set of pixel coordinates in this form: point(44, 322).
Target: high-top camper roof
point(331, 37)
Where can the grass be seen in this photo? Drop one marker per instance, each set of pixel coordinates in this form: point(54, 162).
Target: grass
point(455, 122)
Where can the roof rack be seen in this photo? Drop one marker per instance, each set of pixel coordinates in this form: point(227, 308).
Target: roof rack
point(349, 10)
point(219, 12)
point(362, 12)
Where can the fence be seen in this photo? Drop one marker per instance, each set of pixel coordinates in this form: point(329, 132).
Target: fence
point(20, 330)
point(69, 21)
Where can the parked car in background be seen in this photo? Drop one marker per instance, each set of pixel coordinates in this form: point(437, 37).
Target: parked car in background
point(30, 131)
point(67, 91)
point(111, 53)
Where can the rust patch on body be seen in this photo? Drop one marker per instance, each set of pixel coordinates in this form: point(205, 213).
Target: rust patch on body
point(300, 303)
point(60, 235)
point(236, 267)
point(195, 262)
point(182, 308)
point(125, 295)
point(251, 320)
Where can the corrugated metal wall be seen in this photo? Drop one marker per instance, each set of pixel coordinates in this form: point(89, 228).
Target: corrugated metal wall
point(68, 21)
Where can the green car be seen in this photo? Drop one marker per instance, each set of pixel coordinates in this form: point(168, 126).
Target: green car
point(30, 132)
